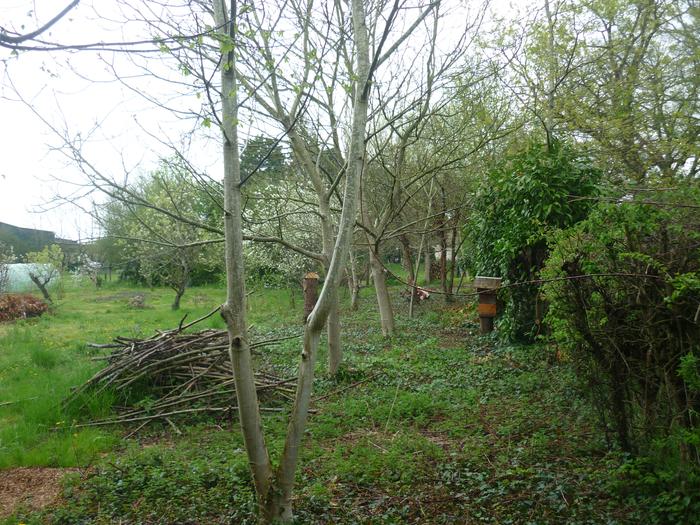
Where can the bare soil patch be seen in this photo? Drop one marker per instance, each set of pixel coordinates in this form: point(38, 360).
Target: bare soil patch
point(119, 296)
point(33, 487)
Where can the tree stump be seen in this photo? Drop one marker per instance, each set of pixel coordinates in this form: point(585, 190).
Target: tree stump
point(310, 287)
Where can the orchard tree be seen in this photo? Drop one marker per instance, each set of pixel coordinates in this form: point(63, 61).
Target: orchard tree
point(274, 486)
point(619, 77)
point(166, 249)
point(45, 268)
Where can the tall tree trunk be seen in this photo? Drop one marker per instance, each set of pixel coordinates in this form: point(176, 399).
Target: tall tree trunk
point(234, 310)
point(353, 283)
point(443, 258)
point(386, 313)
point(274, 489)
point(282, 496)
point(335, 349)
point(453, 260)
point(355, 297)
point(442, 233)
point(407, 258)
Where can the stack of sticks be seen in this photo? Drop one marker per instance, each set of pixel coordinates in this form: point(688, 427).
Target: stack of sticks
point(174, 373)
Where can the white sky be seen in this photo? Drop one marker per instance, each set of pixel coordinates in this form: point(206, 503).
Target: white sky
point(28, 166)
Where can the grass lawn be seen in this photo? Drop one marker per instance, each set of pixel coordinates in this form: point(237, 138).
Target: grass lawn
point(435, 425)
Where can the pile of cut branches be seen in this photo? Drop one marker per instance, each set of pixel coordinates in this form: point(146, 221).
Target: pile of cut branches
point(174, 374)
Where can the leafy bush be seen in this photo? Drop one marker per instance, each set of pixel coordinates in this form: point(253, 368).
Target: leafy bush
point(20, 306)
point(625, 305)
point(526, 196)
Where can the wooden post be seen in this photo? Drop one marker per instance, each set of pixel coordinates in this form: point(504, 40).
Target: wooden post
point(487, 288)
point(310, 286)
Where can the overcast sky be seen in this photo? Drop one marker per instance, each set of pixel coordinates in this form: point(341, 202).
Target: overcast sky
point(30, 168)
point(32, 172)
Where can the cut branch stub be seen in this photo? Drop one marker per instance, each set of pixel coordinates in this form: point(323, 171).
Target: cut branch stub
point(310, 286)
point(487, 288)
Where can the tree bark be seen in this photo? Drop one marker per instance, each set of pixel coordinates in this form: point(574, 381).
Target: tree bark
point(386, 313)
point(453, 260)
point(355, 297)
point(234, 310)
point(310, 288)
point(281, 498)
point(181, 286)
point(443, 259)
point(42, 287)
point(178, 295)
point(300, 147)
point(335, 349)
point(353, 283)
point(428, 264)
point(407, 263)
point(406, 256)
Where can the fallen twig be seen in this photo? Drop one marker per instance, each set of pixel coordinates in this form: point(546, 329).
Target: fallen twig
point(8, 403)
point(340, 390)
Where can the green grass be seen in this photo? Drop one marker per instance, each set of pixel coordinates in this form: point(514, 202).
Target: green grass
point(42, 359)
point(434, 425)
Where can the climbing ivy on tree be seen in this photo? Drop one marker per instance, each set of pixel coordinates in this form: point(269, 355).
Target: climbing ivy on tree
point(525, 197)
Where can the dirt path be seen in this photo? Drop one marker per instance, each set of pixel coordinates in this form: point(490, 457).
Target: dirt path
point(34, 487)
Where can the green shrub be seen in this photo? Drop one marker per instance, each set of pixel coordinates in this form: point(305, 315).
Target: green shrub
point(624, 304)
point(519, 203)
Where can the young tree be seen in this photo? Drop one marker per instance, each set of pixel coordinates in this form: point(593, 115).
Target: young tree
point(274, 486)
point(46, 267)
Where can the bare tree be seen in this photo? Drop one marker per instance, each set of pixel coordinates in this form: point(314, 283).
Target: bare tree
point(274, 487)
point(294, 105)
point(11, 39)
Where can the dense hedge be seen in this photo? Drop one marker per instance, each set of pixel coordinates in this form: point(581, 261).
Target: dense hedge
point(625, 306)
point(528, 195)
point(634, 322)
